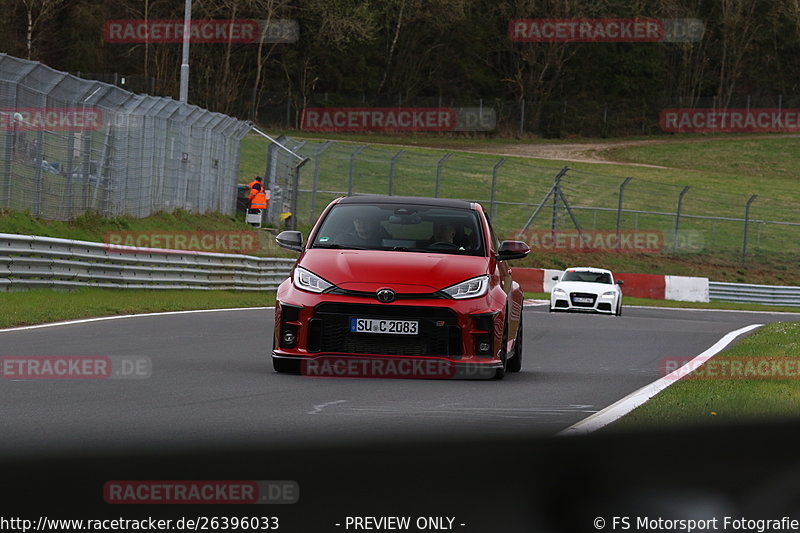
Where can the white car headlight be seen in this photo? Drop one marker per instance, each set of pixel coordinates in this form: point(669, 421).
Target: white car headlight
point(559, 292)
point(472, 288)
point(308, 281)
point(609, 294)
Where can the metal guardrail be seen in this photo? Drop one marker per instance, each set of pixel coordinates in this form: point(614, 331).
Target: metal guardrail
point(760, 294)
point(41, 262)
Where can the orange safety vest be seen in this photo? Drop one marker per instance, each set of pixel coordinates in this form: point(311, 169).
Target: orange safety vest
point(259, 200)
point(252, 191)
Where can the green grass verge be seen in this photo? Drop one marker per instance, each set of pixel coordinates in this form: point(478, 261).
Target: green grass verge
point(770, 163)
point(708, 399)
point(40, 306)
point(647, 302)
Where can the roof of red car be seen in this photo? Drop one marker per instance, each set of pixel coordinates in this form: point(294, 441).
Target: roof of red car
point(413, 200)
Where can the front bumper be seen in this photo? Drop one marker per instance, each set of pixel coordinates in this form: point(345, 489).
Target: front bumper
point(465, 336)
point(568, 302)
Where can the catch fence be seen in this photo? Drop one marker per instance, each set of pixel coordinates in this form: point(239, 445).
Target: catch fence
point(525, 200)
point(71, 145)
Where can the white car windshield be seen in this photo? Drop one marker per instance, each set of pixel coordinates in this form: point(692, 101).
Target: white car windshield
point(589, 277)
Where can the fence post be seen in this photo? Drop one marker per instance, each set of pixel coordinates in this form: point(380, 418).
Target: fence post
point(391, 170)
point(439, 173)
point(271, 179)
point(556, 191)
point(553, 190)
point(317, 158)
point(619, 206)
point(746, 224)
point(11, 137)
point(271, 171)
point(522, 117)
point(494, 185)
point(68, 172)
point(678, 218)
point(353, 168)
point(296, 188)
point(37, 160)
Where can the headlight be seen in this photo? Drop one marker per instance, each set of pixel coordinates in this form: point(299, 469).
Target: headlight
point(472, 288)
point(609, 294)
point(308, 281)
point(559, 292)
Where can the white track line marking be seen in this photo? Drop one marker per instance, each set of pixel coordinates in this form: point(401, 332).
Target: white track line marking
point(318, 408)
point(635, 399)
point(116, 317)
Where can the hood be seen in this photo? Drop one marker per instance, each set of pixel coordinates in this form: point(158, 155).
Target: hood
point(404, 272)
point(584, 286)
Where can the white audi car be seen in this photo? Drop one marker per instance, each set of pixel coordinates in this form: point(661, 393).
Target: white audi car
point(587, 289)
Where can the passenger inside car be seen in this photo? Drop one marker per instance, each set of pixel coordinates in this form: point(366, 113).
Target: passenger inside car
point(366, 231)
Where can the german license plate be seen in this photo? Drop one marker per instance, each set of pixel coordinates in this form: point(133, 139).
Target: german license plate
point(582, 300)
point(384, 326)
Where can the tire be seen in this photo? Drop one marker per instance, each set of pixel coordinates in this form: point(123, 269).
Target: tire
point(515, 363)
point(285, 366)
point(619, 308)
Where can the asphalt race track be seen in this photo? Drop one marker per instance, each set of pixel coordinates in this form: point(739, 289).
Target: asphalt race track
point(212, 381)
point(481, 453)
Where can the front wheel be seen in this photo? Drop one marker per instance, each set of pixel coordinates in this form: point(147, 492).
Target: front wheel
point(515, 363)
point(619, 308)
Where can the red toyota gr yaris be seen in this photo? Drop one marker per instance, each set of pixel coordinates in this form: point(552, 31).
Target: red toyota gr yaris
point(390, 286)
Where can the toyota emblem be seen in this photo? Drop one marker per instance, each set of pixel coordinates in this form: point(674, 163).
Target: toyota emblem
point(386, 295)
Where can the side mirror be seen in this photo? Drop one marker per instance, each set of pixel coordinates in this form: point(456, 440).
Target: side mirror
point(555, 278)
point(291, 240)
point(512, 250)
point(620, 282)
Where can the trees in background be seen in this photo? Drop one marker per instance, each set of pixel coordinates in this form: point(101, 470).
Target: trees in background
point(398, 52)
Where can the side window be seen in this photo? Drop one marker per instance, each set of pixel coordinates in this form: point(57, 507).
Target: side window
point(495, 244)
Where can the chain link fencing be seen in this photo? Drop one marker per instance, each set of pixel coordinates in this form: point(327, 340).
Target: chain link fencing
point(528, 200)
point(71, 145)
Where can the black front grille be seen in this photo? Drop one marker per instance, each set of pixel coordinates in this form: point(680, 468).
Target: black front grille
point(574, 295)
point(439, 332)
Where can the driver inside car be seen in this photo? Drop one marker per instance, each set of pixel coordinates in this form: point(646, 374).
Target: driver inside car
point(446, 232)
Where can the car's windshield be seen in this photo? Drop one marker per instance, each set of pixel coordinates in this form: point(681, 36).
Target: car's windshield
point(583, 275)
point(401, 227)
